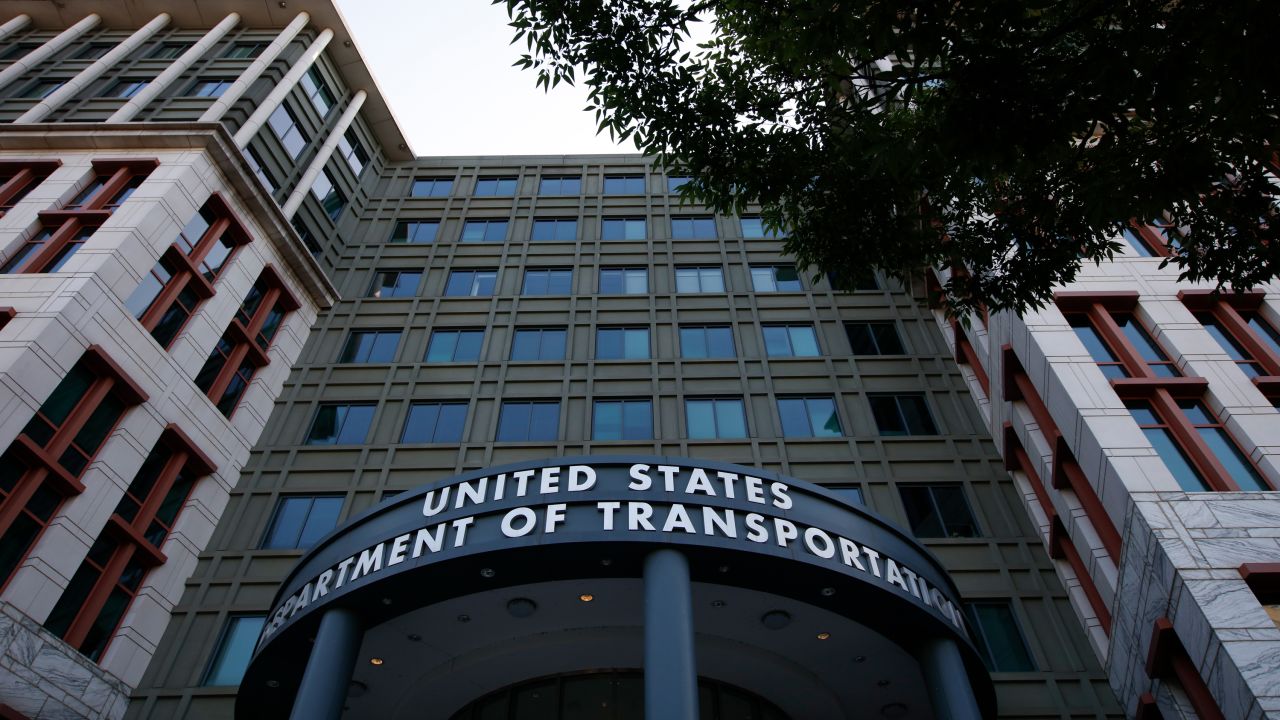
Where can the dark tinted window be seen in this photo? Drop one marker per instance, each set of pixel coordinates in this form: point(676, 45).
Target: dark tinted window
point(938, 511)
point(434, 423)
point(902, 415)
point(299, 521)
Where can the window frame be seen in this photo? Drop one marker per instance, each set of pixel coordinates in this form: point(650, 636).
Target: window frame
point(349, 355)
point(219, 647)
point(378, 274)
point(277, 512)
point(549, 272)
point(608, 223)
point(624, 329)
point(695, 221)
point(903, 416)
point(875, 339)
point(835, 412)
point(699, 273)
point(475, 274)
point(497, 182)
point(624, 271)
point(791, 345)
point(529, 426)
point(773, 269)
point(294, 129)
point(681, 329)
point(439, 422)
point(307, 440)
point(556, 225)
point(441, 331)
point(558, 190)
point(715, 418)
point(983, 644)
point(628, 184)
point(541, 343)
point(596, 404)
point(1236, 315)
point(486, 226)
point(936, 508)
point(436, 187)
point(412, 229)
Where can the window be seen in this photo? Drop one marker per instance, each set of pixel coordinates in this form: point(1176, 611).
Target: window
point(538, 344)
point(1097, 347)
point(300, 520)
point(90, 609)
point(622, 229)
point(898, 415)
point(454, 346)
point(17, 50)
point(998, 637)
point(1266, 331)
point(285, 126)
point(809, 417)
point(849, 493)
point(370, 346)
point(622, 420)
point(560, 185)
point(415, 231)
point(709, 341)
point(432, 187)
point(775, 278)
point(484, 231)
point(938, 511)
point(471, 283)
point(330, 197)
point(351, 149)
point(40, 89)
point(1157, 362)
point(624, 185)
point(560, 229)
point(1115, 339)
point(434, 423)
point(790, 341)
point(317, 91)
point(1235, 323)
point(63, 232)
point(125, 88)
point(709, 418)
point(243, 347)
point(341, 424)
point(699, 280)
point(17, 178)
point(1189, 473)
point(753, 228)
point(496, 186)
point(1232, 347)
point(1221, 446)
point(92, 51)
point(529, 421)
point(693, 228)
point(394, 284)
point(256, 164)
point(245, 50)
point(547, 281)
point(874, 338)
point(209, 87)
point(622, 343)
point(235, 649)
point(42, 465)
point(1138, 241)
point(169, 295)
point(168, 51)
point(624, 281)
point(675, 182)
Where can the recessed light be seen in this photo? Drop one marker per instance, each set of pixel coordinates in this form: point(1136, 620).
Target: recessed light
point(860, 658)
point(776, 619)
point(586, 597)
point(414, 637)
point(464, 618)
point(273, 683)
point(375, 661)
point(824, 636)
point(828, 591)
point(882, 683)
point(521, 607)
point(487, 572)
point(717, 603)
point(386, 601)
point(894, 710)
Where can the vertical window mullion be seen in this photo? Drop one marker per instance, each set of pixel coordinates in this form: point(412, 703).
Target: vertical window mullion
point(1238, 327)
point(1114, 337)
point(1185, 433)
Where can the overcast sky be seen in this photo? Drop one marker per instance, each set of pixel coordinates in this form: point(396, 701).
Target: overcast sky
point(444, 67)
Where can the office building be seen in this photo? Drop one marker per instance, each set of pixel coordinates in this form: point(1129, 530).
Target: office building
point(525, 436)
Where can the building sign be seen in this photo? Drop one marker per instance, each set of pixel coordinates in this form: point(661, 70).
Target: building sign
point(601, 500)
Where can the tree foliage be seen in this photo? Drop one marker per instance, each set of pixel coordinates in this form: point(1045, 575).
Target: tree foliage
point(1011, 138)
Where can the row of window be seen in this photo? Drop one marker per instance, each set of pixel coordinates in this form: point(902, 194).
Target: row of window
point(548, 185)
point(1190, 439)
point(620, 343)
point(896, 415)
point(481, 282)
point(566, 229)
point(164, 50)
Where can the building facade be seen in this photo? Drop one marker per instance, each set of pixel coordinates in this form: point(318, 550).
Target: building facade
point(247, 332)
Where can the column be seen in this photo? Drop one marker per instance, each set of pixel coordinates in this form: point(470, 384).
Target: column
point(670, 676)
point(333, 657)
point(174, 71)
point(73, 86)
point(14, 25)
point(326, 151)
point(947, 680)
point(42, 53)
point(254, 71)
point(287, 83)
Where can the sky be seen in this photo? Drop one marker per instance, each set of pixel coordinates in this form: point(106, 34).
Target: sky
point(444, 67)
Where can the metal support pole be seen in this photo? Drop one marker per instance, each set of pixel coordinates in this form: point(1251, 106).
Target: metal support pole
point(670, 676)
point(14, 25)
point(174, 71)
point(282, 88)
point(948, 681)
point(325, 152)
point(333, 657)
point(222, 104)
point(45, 51)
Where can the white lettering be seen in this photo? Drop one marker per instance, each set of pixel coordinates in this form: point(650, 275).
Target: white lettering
point(608, 508)
point(781, 499)
point(640, 479)
point(755, 528)
point(755, 489)
point(824, 549)
point(342, 572)
point(911, 581)
point(522, 481)
point(785, 530)
point(460, 529)
point(711, 522)
point(849, 553)
point(500, 486)
point(699, 483)
point(729, 479)
point(526, 517)
point(678, 517)
point(399, 547)
point(669, 473)
point(638, 514)
point(426, 542)
point(581, 477)
point(430, 507)
point(555, 516)
point(322, 584)
point(550, 480)
point(874, 558)
point(370, 561)
point(474, 493)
